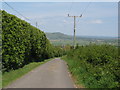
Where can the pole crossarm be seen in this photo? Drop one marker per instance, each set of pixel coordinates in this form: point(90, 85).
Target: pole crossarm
point(74, 16)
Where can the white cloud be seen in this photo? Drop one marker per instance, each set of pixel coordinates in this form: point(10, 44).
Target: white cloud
point(64, 21)
point(98, 21)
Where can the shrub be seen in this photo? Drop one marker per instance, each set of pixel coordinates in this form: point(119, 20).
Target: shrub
point(96, 66)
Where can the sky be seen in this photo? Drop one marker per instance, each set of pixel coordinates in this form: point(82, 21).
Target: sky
point(98, 18)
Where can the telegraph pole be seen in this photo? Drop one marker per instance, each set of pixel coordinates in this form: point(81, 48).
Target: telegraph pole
point(74, 42)
point(36, 24)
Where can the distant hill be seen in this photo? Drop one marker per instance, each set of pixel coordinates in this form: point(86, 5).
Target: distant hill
point(61, 36)
point(58, 38)
point(58, 35)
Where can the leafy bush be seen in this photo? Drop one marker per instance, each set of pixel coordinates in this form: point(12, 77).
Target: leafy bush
point(96, 66)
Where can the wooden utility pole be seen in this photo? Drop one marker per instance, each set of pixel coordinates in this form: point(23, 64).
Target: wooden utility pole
point(36, 25)
point(74, 42)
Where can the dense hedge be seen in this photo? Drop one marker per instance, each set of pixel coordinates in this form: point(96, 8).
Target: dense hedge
point(95, 66)
point(0, 40)
point(23, 43)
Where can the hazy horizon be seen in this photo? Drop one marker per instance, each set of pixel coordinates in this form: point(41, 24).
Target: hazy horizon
point(83, 35)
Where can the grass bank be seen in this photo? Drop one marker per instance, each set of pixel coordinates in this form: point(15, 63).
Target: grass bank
point(74, 75)
point(9, 77)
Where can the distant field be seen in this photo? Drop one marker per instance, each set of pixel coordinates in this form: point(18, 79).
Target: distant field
point(62, 39)
point(83, 42)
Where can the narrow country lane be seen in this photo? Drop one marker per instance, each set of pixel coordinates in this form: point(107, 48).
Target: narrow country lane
point(53, 74)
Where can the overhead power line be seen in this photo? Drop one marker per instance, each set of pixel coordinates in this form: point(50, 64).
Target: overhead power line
point(70, 8)
point(16, 11)
point(85, 9)
point(35, 23)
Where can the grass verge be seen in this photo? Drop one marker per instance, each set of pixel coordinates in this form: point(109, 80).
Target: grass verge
point(74, 77)
point(9, 77)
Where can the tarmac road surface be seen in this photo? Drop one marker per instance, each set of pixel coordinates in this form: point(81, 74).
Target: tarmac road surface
point(53, 74)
